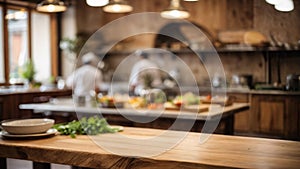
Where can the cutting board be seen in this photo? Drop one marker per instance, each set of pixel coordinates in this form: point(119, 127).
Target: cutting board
point(196, 108)
point(227, 103)
point(254, 38)
point(250, 37)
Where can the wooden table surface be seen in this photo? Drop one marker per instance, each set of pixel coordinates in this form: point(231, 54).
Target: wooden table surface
point(218, 151)
point(67, 105)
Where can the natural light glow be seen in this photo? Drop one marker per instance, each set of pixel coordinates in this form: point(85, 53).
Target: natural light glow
point(16, 15)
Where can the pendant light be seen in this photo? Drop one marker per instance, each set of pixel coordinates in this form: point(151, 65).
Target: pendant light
point(97, 3)
point(51, 6)
point(272, 2)
point(285, 5)
point(117, 6)
point(175, 11)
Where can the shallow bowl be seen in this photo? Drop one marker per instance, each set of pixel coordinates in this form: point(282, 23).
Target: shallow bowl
point(27, 126)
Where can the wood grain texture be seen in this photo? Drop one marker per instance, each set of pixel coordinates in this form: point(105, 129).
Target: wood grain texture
point(54, 47)
point(9, 102)
point(272, 117)
point(283, 25)
point(275, 115)
point(239, 14)
point(217, 152)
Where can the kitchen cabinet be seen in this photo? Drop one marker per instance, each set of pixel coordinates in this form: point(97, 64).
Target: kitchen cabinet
point(242, 119)
point(272, 114)
point(9, 102)
point(275, 116)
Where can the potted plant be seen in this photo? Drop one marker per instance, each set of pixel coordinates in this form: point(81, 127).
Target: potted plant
point(27, 71)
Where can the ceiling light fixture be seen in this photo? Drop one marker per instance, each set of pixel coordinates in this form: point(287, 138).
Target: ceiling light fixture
point(272, 2)
point(117, 6)
point(97, 3)
point(285, 5)
point(175, 11)
point(51, 6)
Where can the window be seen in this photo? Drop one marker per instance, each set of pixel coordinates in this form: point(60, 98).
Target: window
point(17, 26)
point(27, 34)
point(40, 40)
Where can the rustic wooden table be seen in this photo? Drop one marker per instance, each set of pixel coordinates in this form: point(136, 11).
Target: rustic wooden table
point(219, 151)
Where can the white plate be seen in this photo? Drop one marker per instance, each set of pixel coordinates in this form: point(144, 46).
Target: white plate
point(49, 132)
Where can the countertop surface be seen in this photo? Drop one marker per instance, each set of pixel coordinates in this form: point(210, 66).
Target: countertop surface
point(67, 105)
point(201, 90)
point(134, 148)
point(11, 91)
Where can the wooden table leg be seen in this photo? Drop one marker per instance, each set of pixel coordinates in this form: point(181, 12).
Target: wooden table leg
point(37, 165)
point(229, 125)
point(3, 163)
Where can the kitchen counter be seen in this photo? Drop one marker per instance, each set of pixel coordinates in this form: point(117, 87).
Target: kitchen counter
point(217, 152)
point(10, 101)
point(122, 87)
point(15, 91)
point(275, 92)
point(161, 119)
point(249, 91)
point(67, 105)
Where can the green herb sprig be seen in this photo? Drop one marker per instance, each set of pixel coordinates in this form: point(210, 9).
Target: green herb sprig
point(85, 126)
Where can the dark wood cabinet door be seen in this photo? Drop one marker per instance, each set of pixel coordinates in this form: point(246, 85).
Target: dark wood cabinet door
point(275, 116)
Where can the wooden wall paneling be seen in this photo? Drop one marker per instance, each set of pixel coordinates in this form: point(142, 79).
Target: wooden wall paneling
point(88, 19)
point(209, 14)
point(283, 25)
point(239, 14)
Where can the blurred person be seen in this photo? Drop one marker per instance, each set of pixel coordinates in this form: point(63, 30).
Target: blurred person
point(144, 74)
point(86, 78)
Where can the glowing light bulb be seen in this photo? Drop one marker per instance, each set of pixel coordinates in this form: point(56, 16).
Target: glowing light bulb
point(51, 8)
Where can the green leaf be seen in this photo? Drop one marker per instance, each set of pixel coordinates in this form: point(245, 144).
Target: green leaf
point(91, 126)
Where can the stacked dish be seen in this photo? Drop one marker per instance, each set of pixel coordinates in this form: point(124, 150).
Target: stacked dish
point(27, 128)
